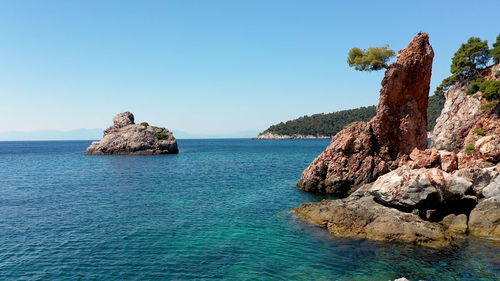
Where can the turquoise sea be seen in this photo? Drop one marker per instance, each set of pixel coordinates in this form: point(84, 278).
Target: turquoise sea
point(217, 210)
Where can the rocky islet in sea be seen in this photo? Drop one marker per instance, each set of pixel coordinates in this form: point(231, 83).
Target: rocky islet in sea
point(125, 137)
point(398, 189)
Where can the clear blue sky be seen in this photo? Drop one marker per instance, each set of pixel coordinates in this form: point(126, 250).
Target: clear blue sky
point(209, 66)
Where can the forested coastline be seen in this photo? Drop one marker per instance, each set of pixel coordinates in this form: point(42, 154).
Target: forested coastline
point(328, 124)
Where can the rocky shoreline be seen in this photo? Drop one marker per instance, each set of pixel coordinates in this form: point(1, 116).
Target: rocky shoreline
point(125, 137)
point(394, 186)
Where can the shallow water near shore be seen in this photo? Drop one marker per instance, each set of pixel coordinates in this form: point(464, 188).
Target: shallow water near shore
point(217, 210)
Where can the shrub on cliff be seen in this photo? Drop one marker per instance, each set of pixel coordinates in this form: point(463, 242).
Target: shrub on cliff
point(488, 105)
point(469, 149)
point(374, 58)
point(161, 136)
point(490, 89)
point(479, 132)
point(466, 64)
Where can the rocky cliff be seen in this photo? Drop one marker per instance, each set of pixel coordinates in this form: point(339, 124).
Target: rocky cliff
point(428, 196)
point(460, 113)
point(126, 137)
point(365, 150)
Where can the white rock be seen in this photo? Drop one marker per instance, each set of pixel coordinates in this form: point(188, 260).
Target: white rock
point(407, 188)
point(492, 189)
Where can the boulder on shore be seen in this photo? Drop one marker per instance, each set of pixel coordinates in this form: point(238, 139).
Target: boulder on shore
point(484, 220)
point(125, 137)
point(360, 216)
point(424, 189)
point(455, 224)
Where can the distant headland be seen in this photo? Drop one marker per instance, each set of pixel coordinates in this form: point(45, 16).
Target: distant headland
point(327, 125)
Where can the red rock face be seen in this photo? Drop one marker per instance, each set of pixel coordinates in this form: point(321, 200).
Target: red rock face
point(425, 158)
point(449, 161)
point(401, 121)
point(364, 151)
point(349, 160)
point(433, 158)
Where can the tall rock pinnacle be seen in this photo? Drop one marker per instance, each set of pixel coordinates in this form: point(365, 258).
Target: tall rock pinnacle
point(401, 121)
point(364, 151)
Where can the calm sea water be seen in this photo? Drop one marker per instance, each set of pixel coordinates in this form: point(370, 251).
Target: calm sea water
point(217, 210)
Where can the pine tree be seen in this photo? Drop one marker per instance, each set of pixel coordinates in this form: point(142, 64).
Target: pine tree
point(374, 58)
point(495, 52)
point(466, 64)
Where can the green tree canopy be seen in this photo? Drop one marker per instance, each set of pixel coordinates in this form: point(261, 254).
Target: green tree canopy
point(466, 63)
point(374, 58)
point(495, 52)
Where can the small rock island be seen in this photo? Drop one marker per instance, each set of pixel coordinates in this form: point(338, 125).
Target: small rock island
point(125, 137)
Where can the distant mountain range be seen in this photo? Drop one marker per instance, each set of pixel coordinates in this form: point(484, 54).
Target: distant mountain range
point(79, 134)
